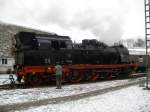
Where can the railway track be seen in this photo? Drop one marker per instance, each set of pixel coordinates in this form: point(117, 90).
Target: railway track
point(14, 85)
point(5, 86)
point(57, 100)
point(11, 86)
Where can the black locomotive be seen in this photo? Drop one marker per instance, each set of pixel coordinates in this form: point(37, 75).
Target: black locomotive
point(40, 49)
point(37, 54)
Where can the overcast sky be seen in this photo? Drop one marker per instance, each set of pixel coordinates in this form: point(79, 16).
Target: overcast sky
point(106, 20)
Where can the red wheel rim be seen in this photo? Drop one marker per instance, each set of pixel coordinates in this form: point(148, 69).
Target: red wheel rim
point(76, 77)
point(35, 80)
point(94, 76)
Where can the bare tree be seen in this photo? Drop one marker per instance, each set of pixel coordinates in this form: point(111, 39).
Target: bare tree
point(139, 43)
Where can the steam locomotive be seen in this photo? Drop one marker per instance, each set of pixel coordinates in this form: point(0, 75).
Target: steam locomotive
point(37, 54)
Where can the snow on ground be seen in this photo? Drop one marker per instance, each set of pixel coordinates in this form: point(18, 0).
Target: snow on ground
point(35, 94)
point(4, 78)
point(132, 99)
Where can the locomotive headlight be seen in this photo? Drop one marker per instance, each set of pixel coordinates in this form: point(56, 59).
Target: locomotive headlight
point(33, 73)
point(49, 68)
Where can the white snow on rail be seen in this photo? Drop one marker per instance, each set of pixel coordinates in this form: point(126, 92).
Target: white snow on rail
point(35, 94)
point(4, 78)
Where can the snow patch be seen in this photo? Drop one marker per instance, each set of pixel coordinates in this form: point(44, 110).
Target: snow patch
point(35, 94)
point(132, 99)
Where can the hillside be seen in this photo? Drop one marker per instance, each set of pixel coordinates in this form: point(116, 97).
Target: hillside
point(7, 32)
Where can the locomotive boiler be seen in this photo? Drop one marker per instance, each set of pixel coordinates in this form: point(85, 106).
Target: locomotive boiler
point(37, 54)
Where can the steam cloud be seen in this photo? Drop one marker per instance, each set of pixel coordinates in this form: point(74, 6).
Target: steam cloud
point(102, 20)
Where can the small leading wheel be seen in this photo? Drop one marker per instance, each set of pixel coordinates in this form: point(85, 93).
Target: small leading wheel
point(35, 80)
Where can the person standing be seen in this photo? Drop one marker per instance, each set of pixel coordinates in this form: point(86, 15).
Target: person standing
point(58, 70)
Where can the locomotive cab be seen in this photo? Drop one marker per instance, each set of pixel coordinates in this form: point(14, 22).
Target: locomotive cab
point(26, 40)
point(29, 40)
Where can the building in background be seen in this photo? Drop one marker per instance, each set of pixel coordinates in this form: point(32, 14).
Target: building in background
point(138, 51)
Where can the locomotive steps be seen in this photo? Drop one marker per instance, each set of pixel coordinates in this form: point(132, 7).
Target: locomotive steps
point(62, 99)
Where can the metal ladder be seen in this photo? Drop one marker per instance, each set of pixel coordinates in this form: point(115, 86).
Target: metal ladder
point(147, 36)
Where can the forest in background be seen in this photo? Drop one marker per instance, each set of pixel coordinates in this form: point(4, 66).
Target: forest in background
point(133, 43)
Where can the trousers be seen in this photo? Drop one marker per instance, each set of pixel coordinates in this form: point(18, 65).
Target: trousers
point(58, 81)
